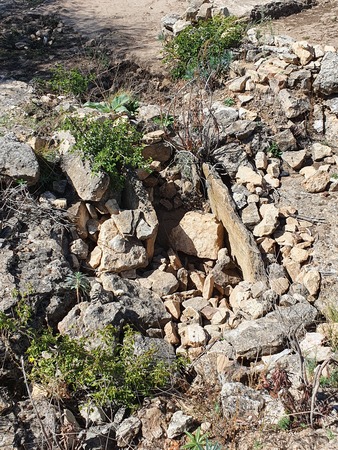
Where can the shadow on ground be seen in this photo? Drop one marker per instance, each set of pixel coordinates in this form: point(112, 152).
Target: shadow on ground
point(32, 41)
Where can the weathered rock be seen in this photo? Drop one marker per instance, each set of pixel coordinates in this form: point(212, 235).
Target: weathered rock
point(266, 335)
point(311, 280)
point(269, 222)
point(261, 160)
point(17, 160)
point(327, 80)
point(250, 216)
point(317, 182)
point(192, 335)
point(119, 253)
point(163, 283)
point(293, 106)
point(135, 197)
point(178, 424)
point(142, 306)
point(86, 318)
point(294, 159)
point(304, 51)
point(79, 248)
point(246, 174)
point(242, 246)
point(312, 347)
point(89, 186)
point(320, 151)
point(230, 157)
point(198, 234)
point(127, 431)
point(238, 84)
point(171, 334)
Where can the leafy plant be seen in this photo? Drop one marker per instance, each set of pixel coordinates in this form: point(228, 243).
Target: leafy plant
point(109, 373)
point(229, 101)
point(196, 441)
point(78, 282)
point(73, 81)
point(331, 381)
point(203, 47)
point(166, 120)
point(275, 150)
point(334, 176)
point(112, 146)
point(122, 103)
point(284, 423)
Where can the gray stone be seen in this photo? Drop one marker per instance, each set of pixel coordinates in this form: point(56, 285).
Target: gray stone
point(127, 431)
point(293, 106)
point(89, 186)
point(178, 424)
point(17, 160)
point(142, 306)
point(163, 283)
point(250, 216)
point(266, 335)
point(285, 141)
point(229, 157)
point(327, 80)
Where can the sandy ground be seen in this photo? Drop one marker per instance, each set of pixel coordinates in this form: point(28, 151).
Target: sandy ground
point(132, 27)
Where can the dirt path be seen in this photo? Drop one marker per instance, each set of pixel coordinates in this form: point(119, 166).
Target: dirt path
point(132, 27)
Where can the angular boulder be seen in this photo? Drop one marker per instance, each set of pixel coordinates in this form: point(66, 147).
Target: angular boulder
point(17, 160)
point(198, 234)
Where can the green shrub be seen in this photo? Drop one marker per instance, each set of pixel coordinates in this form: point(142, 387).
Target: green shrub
point(121, 103)
point(108, 373)
point(113, 146)
point(73, 81)
point(203, 47)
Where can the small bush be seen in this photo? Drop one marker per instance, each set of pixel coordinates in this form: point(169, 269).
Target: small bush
point(113, 146)
point(203, 47)
point(73, 81)
point(121, 103)
point(110, 373)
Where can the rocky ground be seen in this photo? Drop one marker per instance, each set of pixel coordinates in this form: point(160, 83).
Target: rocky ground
point(228, 259)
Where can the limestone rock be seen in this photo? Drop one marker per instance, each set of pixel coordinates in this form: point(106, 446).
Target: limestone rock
point(198, 234)
point(88, 185)
point(171, 334)
point(250, 216)
point(269, 222)
point(304, 51)
point(230, 157)
point(79, 248)
point(178, 424)
point(311, 281)
point(317, 182)
point(247, 175)
point(163, 283)
point(327, 80)
point(242, 246)
point(17, 160)
point(119, 253)
point(266, 335)
point(238, 84)
point(320, 151)
point(294, 159)
point(261, 160)
point(127, 431)
point(292, 105)
point(140, 305)
point(192, 335)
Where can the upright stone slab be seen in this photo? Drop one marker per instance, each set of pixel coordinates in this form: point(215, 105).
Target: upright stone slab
point(242, 244)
